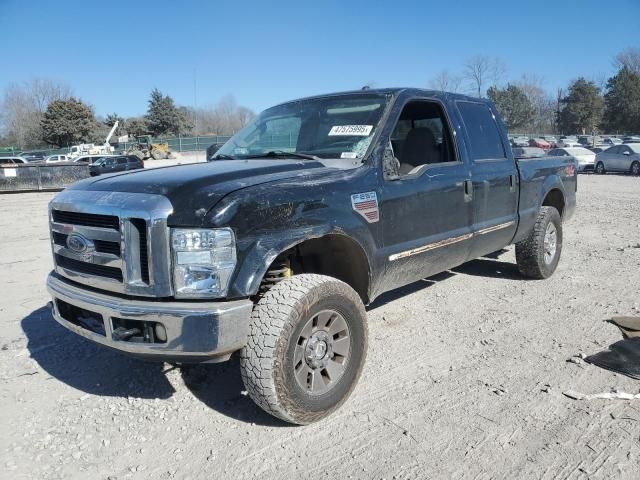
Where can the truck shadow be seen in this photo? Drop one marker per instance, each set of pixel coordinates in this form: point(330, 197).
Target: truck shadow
point(219, 386)
point(484, 267)
point(88, 367)
point(96, 370)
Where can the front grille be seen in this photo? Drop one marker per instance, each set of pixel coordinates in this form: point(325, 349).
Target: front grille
point(86, 219)
point(102, 246)
point(89, 268)
point(121, 244)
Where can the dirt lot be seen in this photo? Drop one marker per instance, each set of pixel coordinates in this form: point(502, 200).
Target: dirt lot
point(464, 377)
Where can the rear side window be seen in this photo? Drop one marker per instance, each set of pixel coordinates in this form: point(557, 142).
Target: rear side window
point(485, 141)
point(122, 160)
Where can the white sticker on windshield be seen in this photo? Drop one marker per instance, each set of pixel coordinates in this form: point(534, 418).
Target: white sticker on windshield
point(348, 155)
point(351, 130)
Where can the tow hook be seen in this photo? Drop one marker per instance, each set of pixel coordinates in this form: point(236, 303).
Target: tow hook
point(122, 333)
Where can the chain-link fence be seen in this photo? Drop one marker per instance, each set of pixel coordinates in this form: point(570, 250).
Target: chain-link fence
point(176, 144)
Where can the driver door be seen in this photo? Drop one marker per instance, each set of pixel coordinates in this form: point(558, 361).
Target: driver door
point(426, 210)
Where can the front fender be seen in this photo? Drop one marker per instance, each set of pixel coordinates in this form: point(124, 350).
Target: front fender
point(269, 221)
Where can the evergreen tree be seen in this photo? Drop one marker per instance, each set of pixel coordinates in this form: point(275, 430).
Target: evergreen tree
point(623, 102)
point(164, 117)
point(583, 108)
point(68, 122)
point(514, 106)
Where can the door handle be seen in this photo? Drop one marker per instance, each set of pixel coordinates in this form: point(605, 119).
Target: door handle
point(468, 190)
point(512, 183)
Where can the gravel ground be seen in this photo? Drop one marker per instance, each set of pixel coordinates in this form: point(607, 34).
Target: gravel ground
point(464, 376)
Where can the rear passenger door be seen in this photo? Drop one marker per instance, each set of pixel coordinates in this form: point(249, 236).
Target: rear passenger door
point(121, 164)
point(494, 177)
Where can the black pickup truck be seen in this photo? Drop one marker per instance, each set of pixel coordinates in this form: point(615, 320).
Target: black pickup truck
point(273, 249)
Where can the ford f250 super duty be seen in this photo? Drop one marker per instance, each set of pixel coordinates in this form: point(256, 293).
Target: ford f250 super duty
point(305, 216)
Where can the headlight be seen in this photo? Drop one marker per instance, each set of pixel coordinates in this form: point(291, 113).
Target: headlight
point(203, 261)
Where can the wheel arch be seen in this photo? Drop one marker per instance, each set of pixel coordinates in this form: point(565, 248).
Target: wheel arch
point(334, 254)
point(555, 198)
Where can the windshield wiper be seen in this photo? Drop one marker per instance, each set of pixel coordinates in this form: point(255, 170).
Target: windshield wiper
point(283, 154)
point(224, 156)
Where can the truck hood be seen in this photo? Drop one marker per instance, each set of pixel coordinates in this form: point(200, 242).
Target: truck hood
point(194, 189)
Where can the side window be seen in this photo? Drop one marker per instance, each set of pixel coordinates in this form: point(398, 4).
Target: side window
point(122, 160)
point(485, 141)
point(422, 137)
point(614, 150)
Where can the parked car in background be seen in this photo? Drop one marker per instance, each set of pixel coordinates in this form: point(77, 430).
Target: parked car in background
point(57, 159)
point(520, 141)
point(12, 160)
point(540, 143)
point(34, 156)
point(611, 141)
point(115, 164)
point(584, 158)
point(528, 152)
point(553, 141)
point(90, 159)
point(620, 158)
point(569, 142)
point(631, 139)
point(599, 149)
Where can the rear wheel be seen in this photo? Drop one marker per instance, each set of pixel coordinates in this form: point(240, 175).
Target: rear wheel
point(600, 168)
point(306, 348)
point(635, 168)
point(538, 255)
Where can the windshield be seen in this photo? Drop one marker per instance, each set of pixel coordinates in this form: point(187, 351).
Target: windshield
point(328, 127)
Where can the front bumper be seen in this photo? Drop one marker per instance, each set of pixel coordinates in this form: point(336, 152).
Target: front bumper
point(585, 167)
point(195, 331)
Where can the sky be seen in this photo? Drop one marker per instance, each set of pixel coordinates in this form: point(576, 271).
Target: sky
point(113, 53)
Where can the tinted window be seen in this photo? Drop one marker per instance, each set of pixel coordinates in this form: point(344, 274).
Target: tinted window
point(122, 160)
point(614, 150)
point(484, 138)
point(5, 161)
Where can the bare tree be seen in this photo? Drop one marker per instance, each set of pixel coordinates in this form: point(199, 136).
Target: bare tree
point(476, 71)
point(224, 118)
point(445, 82)
point(23, 106)
point(629, 58)
point(482, 72)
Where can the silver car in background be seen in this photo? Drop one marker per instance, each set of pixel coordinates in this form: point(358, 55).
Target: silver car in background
point(584, 158)
point(621, 158)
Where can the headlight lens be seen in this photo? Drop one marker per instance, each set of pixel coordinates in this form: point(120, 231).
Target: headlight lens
point(203, 261)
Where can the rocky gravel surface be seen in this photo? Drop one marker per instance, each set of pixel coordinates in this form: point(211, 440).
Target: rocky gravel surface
point(464, 376)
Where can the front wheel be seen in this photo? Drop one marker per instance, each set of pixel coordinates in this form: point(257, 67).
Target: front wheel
point(306, 348)
point(538, 255)
point(635, 168)
point(600, 168)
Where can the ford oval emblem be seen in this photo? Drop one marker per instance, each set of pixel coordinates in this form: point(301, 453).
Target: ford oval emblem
point(77, 243)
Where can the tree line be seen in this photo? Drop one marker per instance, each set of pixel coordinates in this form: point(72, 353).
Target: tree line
point(45, 112)
point(586, 106)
